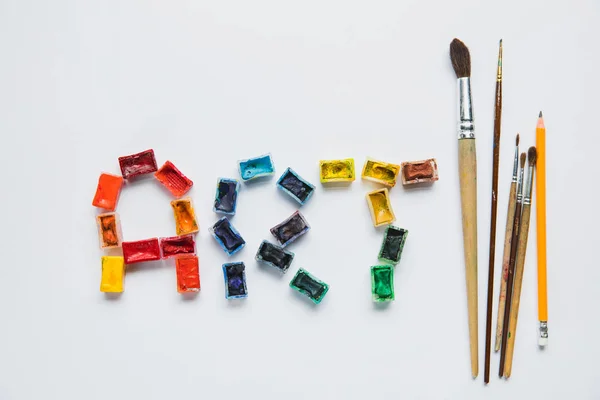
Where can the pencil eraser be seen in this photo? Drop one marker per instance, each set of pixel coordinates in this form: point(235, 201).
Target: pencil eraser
point(543, 342)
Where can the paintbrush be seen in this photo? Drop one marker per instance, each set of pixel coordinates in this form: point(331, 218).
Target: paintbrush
point(510, 217)
point(496, 157)
point(511, 266)
point(520, 265)
point(467, 173)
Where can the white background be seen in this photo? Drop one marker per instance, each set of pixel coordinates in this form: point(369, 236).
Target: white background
point(207, 83)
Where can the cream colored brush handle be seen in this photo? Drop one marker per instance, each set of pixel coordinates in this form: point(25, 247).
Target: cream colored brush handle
point(510, 216)
point(467, 165)
point(518, 283)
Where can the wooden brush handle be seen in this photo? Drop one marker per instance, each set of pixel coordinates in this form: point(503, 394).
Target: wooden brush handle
point(510, 283)
point(514, 307)
point(510, 216)
point(467, 172)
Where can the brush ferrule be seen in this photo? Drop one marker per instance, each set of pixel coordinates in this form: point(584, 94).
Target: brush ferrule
point(528, 186)
point(466, 129)
point(499, 72)
point(520, 187)
point(516, 164)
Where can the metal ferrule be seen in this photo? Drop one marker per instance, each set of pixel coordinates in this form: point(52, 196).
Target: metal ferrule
point(543, 338)
point(466, 129)
point(520, 187)
point(516, 164)
point(529, 185)
point(544, 329)
point(499, 71)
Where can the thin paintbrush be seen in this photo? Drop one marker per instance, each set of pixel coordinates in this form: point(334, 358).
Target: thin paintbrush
point(540, 135)
point(496, 156)
point(467, 173)
point(520, 266)
point(511, 267)
point(510, 217)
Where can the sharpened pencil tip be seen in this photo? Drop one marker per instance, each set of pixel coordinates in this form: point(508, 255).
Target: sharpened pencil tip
point(540, 122)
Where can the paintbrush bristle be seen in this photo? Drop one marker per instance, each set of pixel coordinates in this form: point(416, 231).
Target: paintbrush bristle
point(461, 59)
point(532, 155)
point(522, 160)
point(517, 142)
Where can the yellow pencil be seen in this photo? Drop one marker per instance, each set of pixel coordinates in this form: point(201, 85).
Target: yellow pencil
point(540, 136)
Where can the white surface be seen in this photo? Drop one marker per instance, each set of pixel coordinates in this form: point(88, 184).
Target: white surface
point(83, 83)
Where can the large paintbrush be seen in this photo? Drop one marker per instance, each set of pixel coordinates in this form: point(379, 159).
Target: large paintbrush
point(467, 172)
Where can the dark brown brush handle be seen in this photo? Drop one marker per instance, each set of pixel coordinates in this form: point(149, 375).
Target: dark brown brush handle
point(509, 283)
point(494, 213)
